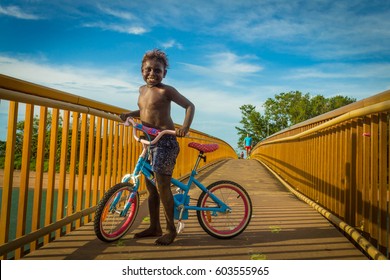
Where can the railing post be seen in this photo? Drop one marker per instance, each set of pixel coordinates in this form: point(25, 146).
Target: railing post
point(39, 166)
point(72, 167)
point(51, 171)
point(24, 175)
point(81, 167)
point(63, 165)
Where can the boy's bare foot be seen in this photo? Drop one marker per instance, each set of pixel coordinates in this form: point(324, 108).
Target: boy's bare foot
point(148, 233)
point(166, 239)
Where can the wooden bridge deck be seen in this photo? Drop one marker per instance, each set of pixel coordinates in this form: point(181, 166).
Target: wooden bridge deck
point(282, 228)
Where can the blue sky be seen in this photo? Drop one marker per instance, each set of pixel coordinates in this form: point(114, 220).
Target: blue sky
point(223, 54)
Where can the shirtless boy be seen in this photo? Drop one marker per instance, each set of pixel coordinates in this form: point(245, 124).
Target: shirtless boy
point(154, 103)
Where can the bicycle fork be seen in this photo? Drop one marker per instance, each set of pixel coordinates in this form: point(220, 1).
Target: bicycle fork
point(131, 198)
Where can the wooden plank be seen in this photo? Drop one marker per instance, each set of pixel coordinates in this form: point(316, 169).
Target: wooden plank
point(81, 166)
point(109, 180)
point(39, 170)
point(384, 211)
point(374, 170)
point(51, 171)
point(359, 220)
point(63, 165)
point(8, 173)
point(366, 175)
point(72, 167)
point(98, 154)
point(24, 176)
point(90, 158)
point(104, 159)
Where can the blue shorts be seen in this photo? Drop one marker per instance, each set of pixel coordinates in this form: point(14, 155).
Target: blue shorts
point(164, 154)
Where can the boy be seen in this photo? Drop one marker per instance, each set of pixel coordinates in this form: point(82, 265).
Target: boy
point(154, 104)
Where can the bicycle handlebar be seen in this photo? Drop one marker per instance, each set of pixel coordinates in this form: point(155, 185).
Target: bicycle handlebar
point(152, 131)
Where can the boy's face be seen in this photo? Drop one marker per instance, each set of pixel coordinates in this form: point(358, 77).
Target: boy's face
point(153, 72)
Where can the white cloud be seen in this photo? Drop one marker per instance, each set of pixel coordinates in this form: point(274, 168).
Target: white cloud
point(227, 68)
point(15, 11)
point(228, 62)
point(121, 28)
point(117, 13)
point(171, 44)
point(119, 20)
point(111, 87)
point(342, 71)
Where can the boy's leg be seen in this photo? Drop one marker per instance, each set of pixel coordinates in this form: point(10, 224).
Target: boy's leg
point(164, 188)
point(154, 212)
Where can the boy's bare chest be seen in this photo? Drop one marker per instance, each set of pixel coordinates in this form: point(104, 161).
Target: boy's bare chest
point(152, 99)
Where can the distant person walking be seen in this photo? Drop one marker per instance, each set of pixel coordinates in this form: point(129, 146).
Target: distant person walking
point(248, 145)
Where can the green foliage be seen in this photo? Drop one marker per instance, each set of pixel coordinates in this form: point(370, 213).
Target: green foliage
point(253, 124)
point(18, 150)
point(284, 110)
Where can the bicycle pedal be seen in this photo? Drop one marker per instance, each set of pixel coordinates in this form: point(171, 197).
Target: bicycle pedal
point(180, 227)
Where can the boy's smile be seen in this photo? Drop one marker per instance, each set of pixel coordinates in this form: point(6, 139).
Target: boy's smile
point(153, 72)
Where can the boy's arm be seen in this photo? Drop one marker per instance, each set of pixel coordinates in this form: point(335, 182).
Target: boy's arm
point(190, 111)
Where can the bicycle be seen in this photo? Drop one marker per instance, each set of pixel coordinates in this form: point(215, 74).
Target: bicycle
point(224, 208)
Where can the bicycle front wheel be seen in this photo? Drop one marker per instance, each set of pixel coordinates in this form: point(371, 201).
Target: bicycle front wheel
point(230, 224)
point(111, 220)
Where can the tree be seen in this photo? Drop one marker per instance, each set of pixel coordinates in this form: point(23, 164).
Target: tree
point(253, 124)
point(34, 143)
point(285, 110)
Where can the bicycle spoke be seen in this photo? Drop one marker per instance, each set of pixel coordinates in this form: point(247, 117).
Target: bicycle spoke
point(110, 224)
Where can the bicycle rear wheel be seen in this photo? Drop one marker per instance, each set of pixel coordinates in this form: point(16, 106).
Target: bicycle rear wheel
point(229, 224)
point(111, 223)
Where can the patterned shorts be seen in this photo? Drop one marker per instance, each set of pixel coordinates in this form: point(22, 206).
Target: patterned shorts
point(164, 154)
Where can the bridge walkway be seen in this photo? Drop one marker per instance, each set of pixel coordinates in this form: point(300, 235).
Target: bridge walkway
point(282, 228)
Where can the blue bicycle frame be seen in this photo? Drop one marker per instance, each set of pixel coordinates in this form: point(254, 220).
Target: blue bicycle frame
point(181, 201)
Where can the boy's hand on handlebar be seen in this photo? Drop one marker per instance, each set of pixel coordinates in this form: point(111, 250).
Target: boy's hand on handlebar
point(182, 132)
point(124, 116)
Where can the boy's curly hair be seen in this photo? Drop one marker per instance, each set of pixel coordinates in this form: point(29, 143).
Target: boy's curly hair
point(158, 55)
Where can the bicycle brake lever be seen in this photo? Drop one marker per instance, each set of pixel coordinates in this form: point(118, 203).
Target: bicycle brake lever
point(127, 122)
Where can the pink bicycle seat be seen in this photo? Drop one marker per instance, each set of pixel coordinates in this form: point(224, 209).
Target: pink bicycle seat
point(205, 148)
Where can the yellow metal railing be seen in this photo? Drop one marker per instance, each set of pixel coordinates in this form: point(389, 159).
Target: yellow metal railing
point(73, 150)
point(340, 162)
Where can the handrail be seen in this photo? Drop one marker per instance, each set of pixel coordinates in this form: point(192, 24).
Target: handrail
point(32, 89)
point(373, 109)
point(48, 102)
point(340, 161)
point(89, 143)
